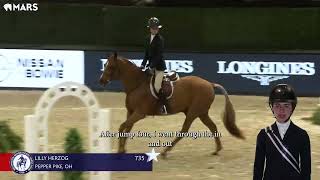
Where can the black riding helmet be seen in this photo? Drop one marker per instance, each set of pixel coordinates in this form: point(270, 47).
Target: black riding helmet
point(154, 22)
point(283, 93)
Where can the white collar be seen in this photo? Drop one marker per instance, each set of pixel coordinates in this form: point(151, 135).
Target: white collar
point(152, 37)
point(283, 125)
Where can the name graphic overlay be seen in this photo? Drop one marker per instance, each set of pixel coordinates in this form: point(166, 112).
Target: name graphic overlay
point(23, 162)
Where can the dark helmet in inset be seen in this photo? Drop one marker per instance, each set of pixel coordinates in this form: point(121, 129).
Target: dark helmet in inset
point(283, 93)
point(154, 22)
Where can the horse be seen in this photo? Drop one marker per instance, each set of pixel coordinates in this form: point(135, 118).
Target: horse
point(192, 95)
point(21, 162)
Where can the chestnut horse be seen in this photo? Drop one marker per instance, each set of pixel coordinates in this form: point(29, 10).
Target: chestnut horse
point(192, 95)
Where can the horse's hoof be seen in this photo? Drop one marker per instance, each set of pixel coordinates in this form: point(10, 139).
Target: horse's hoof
point(215, 153)
point(163, 155)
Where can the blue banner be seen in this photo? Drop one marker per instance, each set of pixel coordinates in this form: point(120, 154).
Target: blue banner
point(91, 162)
point(243, 74)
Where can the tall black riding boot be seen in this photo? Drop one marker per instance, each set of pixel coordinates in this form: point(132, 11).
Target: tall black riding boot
point(162, 100)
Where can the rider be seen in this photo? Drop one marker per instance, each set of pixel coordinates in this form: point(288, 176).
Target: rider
point(283, 149)
point(154, 55)
point(21, 158)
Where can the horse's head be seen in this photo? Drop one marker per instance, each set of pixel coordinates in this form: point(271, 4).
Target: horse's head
point(111, 70)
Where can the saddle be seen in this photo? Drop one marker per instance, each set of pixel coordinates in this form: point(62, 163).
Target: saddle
point(167, 84)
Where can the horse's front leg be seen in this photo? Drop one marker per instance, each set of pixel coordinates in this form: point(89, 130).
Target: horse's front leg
point(126, 127)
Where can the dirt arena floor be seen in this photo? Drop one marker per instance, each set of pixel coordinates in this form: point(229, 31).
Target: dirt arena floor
point(190, 159)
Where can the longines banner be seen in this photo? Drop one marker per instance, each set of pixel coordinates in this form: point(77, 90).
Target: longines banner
point(252, 74)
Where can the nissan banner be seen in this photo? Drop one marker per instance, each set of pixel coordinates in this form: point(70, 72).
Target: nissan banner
point(40, 68)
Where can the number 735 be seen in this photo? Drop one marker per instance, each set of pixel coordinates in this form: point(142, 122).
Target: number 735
point(139, 158)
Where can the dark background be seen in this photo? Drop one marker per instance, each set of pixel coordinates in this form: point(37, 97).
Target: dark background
point(198, 30)
point(185, 29)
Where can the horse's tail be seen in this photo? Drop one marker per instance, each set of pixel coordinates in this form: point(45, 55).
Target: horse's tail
point(229, 117)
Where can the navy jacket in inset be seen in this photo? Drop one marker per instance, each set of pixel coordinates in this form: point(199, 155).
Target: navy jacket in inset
point(269, 163)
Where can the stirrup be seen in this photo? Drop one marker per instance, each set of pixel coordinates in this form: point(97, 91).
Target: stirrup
point(164, 110)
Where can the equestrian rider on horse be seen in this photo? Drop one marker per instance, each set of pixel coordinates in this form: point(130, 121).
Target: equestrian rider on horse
point(154, 56)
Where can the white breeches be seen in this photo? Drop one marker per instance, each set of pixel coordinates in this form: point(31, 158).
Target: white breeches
point(158, 80)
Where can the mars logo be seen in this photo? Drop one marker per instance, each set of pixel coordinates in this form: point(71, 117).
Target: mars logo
point(21, 162)
point(21, 7)
point(266, 72)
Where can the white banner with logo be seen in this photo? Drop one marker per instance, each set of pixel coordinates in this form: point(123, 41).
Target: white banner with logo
point(40, 68)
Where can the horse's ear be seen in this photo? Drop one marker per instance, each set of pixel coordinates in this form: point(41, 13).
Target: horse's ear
point(115, 54)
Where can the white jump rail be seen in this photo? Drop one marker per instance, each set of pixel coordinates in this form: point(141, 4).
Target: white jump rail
point(36, 125)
